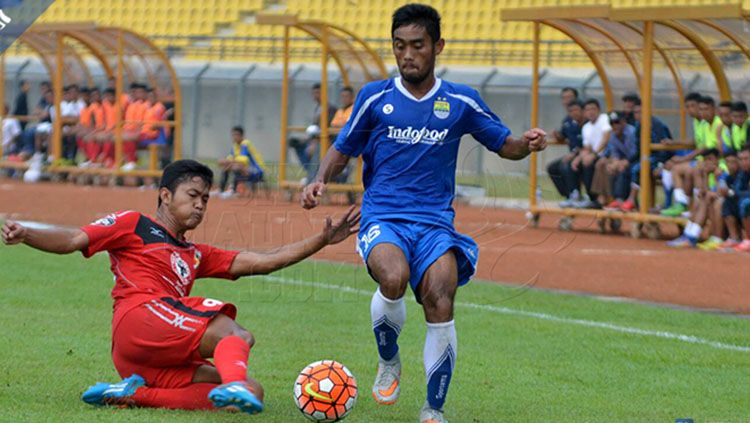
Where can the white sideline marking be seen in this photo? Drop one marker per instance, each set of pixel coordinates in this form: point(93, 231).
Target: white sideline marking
point(617, 252)
point(541, 316)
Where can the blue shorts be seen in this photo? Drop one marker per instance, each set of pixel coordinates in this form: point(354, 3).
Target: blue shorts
point(422, 245)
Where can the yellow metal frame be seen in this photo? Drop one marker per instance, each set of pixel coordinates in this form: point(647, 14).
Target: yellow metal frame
point(563, 19)
point(103, 43)
point(343, 46)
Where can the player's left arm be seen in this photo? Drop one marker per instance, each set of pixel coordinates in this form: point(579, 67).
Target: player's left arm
point(261, 263)
point(56, 240)
point(518, 148)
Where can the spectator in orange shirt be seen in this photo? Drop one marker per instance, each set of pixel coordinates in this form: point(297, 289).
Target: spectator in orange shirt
point(107, 136)
point(152, 133)
point(346, 96)
point(90, 124)
point(134, 118)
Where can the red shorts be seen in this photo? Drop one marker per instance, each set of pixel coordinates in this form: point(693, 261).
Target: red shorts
point(159, 339)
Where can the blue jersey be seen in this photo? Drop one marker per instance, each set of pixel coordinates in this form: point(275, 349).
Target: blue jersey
point(409, 146)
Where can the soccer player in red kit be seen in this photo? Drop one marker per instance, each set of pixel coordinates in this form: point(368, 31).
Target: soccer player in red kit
point(162, 337)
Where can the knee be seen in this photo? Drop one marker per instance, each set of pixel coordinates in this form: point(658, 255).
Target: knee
point(246, 336)
point(393, 283)
point(438, 306)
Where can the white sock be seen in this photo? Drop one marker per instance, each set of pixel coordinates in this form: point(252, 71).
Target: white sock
point(388, 317)
point(666, 179)
point(680, 196)
point(693, 230)
point(440, 348)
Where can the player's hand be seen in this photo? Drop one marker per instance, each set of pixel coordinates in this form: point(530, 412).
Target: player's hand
point(339, 230)
point(13, 233)
point(536, 139)
point(310, 194)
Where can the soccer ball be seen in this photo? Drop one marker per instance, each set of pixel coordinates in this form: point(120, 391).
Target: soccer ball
point(325, 391)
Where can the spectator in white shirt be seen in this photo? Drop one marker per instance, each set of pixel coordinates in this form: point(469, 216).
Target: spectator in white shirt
point(595, 133)
point(11, 132)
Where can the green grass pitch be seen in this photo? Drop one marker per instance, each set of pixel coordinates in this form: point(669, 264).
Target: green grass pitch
point(524, 355)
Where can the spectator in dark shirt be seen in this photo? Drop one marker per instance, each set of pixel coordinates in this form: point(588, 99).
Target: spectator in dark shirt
point(308, 148)
point(21, 105)
point(629, 101)
point(569, 133)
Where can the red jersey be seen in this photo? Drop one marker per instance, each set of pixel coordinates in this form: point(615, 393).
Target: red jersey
point(147, 260)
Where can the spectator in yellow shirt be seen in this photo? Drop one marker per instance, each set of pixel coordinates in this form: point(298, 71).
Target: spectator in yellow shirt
point(244, 162)
point(345, 111)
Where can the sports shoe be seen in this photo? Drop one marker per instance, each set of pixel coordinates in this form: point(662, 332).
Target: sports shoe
point(430, 415)
point(387, 384)
point(129, 167)
point(627, 206)
point(676, 210)
point(729, 244)
point(235, 394)
point(118, 394)
point(712, 243)
point(743, 247)
point(614, 205)
point(683, 241)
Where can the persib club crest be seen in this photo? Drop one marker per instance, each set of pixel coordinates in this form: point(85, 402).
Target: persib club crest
point(180, 268)
point(441, 108)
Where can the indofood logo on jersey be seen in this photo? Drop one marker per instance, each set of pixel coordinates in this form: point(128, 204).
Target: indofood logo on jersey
point(410, 135)
point(441, 108)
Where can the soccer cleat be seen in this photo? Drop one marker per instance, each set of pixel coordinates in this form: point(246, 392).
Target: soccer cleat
point(676, 210)
point(430, 415)
point(627, 206)
point(387, 386)
point(683, 241)
point(235, 394)
point(712, 243)
point(614, 205)
point(743, 247)
point(117, 394)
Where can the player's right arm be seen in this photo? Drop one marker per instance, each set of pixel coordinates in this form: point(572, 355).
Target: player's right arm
point(56, 240)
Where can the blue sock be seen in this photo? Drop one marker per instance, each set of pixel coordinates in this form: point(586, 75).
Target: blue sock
point(388, 317)
point(440, 350)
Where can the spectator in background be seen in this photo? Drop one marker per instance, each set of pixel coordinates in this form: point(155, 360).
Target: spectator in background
point(21, 105)
point(244, 163)
point(740, 125)
point(70, 111)
point(346, 97)
point(612, 174)
point(629, 101)
point(11, 135)
point(308, 148)
point(90, 125)
point(707, 207)
point(595, 134)
point(725, 134)
point(134, 118)
point(660, 133)
point(106, 137)
point(569, 133)
point(736, 205)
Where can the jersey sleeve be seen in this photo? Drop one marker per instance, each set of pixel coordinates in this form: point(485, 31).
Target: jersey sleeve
point(110, 233)
point(481, 123)
point(354, 136)
point(214, 262)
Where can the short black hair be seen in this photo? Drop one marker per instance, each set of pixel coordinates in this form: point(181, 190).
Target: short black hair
point(109, 91)
point(22, 82)
point(84, 90)
point(693, 97)
point(94, 89)
point(707, 99)
point(730, 153)
point(316, 86)
point(133, 85)
point(348, 88)
point(739, 106)
point(727, 104)
point(45, 83)
point(420, 15)
point(745, 148)
point(637, 102)
point(181, 171)
point(239, 129)
point(73, 87)
point(631, 97)
point(576, 102)
point(571, 89)
point(592, 101)
point(711, 152)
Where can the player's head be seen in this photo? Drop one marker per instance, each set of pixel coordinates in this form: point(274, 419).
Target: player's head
point(575, 110)
point(24, 85)
point(141, 91)
point(85, 94)
point(151, 95)
point(316, 92)
point(45, 86)
point(739, 113)
point(238, 133)
point(637, 111)
point(183, 192)
point(109, 95)
point(744, 158)
point(710, 159)
point(691, 104)
point(618, 121)
point(732, 162)
point(346, 96)
point(567, 95)
point(95, 95)
point(707, 107)
point(591, 109)
point(415, 33)
point(725, 112)
point(628, 102)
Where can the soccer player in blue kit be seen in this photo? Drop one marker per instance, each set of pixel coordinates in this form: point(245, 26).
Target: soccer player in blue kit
point(407, 130)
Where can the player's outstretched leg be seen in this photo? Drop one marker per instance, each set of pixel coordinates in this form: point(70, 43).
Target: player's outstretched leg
point(388, 311)
point(117, 394)
point(229, 345)
point(437, 291)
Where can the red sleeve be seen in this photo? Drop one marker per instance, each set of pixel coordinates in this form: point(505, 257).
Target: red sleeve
point(110, 232)
point(215, 262)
